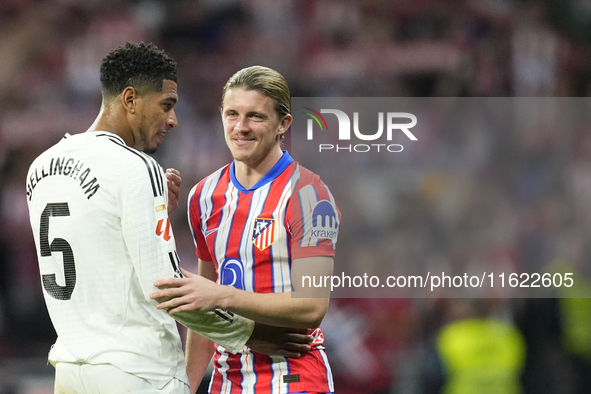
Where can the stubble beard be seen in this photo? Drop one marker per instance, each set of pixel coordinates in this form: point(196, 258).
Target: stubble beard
point(143, 132)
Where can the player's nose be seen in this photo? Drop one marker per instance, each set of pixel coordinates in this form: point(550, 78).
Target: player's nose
point(241, 125)
point(172, 120)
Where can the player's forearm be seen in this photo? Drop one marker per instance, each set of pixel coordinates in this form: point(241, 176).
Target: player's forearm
point(276, 309)
point(198, 354)
point(224, 328)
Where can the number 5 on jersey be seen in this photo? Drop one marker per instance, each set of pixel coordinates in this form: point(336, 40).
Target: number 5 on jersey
point(57, 245)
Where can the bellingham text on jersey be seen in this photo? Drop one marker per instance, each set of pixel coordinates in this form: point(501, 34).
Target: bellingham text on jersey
point(63, 166)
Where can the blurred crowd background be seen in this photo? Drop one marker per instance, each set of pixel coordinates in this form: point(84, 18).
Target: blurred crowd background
point(493, 196)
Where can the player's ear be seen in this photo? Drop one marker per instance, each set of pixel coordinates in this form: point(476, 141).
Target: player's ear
point(129, 98)
point(284, 124)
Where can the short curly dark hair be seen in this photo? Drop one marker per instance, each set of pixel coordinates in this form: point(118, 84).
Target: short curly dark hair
point(138, 65)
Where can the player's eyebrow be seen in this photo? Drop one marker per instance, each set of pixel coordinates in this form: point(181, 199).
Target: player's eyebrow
point(261, 114)
point(174, 99)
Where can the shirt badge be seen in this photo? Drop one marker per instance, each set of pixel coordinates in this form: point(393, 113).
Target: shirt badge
point(263, 233)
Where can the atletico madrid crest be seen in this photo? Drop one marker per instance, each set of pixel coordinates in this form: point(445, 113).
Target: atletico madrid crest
point(263, 233)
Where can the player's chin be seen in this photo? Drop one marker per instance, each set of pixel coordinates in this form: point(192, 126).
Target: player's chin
point(236, 155)
point(241, 153)
point(151, 149)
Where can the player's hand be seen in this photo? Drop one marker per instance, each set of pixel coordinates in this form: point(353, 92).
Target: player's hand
point(191, 293)
point(173, 179)
point(279, 341)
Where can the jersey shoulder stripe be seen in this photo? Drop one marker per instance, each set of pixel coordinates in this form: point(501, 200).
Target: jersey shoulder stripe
point(200, 206)
point(201, 196)
point(153, 168)
point(217, 181)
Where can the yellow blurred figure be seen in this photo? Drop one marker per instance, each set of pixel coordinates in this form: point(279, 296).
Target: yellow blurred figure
point(481, 355)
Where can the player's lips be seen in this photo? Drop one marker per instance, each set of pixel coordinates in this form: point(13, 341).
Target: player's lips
point(242, 141)
point(161, 135)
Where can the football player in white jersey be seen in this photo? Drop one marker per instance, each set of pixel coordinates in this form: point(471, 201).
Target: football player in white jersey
point(99, 212)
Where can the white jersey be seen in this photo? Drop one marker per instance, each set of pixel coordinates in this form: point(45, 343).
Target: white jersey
point(98, 211)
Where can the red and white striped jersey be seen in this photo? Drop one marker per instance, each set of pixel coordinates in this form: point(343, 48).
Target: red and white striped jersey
point(252, 236)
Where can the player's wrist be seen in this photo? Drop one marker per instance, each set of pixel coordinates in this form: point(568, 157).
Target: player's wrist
point(228, 297)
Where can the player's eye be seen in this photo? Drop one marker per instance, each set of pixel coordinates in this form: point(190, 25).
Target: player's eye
point(167, 106)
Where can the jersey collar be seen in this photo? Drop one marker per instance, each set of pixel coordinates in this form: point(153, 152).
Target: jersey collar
point(273, 173)
point(100, 133)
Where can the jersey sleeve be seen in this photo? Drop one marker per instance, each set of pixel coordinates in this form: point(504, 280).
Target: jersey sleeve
point(194, 218)
point(314, 217)
point(145, 224)
point(151, 245)
point(222, 327)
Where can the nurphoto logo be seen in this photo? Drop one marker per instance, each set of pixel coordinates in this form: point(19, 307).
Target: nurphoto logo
point(395, 122)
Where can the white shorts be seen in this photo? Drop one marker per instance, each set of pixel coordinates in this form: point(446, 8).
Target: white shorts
point(75, 378)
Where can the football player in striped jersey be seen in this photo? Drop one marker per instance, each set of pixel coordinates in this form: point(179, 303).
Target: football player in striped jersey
point(258, 223)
